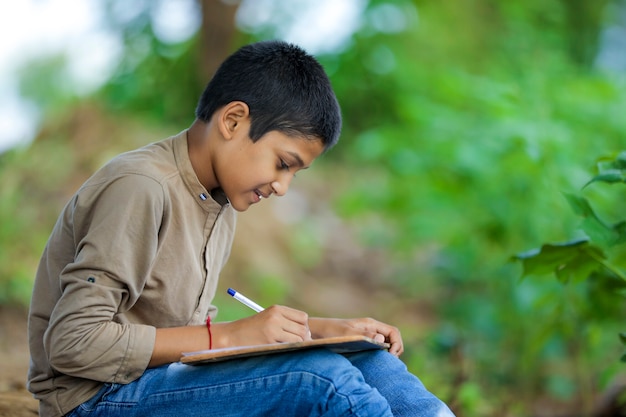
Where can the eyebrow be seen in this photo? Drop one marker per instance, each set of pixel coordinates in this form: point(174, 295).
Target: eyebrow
point(299, 161)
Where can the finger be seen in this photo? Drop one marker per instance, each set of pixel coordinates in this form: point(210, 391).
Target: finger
point(397, 347)
point(294, 315)
point(287, 323)
point(391, 335)
point(295, 329)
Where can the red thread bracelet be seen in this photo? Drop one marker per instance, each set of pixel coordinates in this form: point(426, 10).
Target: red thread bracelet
point(208, 327)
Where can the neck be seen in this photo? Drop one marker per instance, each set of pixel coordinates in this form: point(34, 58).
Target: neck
point(198, 144)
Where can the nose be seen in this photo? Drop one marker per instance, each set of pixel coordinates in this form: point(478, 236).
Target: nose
point(280, 186)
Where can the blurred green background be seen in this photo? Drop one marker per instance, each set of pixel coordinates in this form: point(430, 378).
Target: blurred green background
point(464, 125)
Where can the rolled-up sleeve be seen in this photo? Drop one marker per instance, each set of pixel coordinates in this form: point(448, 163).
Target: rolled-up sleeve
point(116, 233)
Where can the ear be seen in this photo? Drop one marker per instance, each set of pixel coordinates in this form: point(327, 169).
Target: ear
point(231, 117)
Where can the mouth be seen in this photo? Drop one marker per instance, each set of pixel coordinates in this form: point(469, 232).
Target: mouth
point(259, 196)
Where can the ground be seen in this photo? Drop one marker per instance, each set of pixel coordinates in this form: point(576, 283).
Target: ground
point(15, 400)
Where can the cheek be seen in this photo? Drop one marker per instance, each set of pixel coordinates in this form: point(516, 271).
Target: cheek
point(244, 175)
point(255, 168)
point(247, 169)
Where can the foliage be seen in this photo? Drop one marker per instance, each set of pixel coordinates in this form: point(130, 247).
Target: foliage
point(149, 66)
point(23, 234)
point(459, 146)
point(38, 181)
point(597, 258)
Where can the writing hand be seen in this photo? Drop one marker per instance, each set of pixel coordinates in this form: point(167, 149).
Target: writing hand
point(275, 324)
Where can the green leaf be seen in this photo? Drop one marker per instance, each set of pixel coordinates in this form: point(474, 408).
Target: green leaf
point(611, 170)
point(622, 337)
point(610, 176)
point(618, 163)
point(573, 260)
point(593, 226)
point(580, 205)
point(620, 232)
point(579, 267)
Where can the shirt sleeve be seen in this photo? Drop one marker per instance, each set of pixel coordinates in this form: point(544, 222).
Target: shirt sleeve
point(116, 234)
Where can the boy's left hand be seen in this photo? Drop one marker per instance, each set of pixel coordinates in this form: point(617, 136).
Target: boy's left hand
point(374, 329)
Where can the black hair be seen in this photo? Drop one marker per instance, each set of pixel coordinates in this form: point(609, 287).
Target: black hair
point(285, 88)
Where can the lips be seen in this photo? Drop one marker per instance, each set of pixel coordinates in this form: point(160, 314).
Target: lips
point(259, 195)
point(262, 194)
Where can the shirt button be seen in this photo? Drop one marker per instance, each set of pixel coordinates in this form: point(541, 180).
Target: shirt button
point(203, 196)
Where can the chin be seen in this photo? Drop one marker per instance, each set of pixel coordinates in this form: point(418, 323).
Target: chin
point(240, 207)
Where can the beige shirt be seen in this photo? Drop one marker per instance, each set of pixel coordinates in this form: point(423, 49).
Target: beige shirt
point(138, 247)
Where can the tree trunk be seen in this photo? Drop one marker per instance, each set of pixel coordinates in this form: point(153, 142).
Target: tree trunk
point(216, 35)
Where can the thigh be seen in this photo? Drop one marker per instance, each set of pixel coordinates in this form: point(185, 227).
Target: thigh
point(404, 392)
point(312, 383)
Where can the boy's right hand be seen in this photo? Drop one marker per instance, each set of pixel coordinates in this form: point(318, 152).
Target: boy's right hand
point(275, 324)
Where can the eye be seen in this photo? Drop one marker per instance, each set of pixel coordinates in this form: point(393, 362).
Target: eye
point(285, 167)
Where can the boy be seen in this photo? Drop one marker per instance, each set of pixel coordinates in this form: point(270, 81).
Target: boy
point(127, 277)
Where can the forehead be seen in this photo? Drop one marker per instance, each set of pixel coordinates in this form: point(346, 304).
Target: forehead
point(303, 150)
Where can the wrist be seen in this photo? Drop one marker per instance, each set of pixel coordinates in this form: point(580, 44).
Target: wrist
point(219, 336)
point(317, 327)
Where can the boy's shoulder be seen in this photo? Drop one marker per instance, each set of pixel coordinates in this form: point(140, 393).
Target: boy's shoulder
point(156, 160)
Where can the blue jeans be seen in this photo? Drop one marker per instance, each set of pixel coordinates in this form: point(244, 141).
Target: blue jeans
point(312, 383)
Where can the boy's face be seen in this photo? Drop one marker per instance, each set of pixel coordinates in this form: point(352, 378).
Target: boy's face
point(252, 171)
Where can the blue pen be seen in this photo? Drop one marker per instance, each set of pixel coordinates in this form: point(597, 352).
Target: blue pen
point(245, 300)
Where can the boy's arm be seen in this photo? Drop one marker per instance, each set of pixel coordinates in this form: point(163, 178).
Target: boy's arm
point(329, 327)
point(115, 233)
point(171, 342)
point(272, 325)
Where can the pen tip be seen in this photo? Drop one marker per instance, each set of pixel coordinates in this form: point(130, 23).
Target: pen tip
point(231, 291)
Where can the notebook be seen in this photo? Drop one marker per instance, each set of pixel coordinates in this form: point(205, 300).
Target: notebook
point(340, 344)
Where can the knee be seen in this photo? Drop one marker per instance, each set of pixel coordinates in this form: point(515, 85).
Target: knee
point(336, 384)
point(323, 370)
point(377, 361)
point(327, 365)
